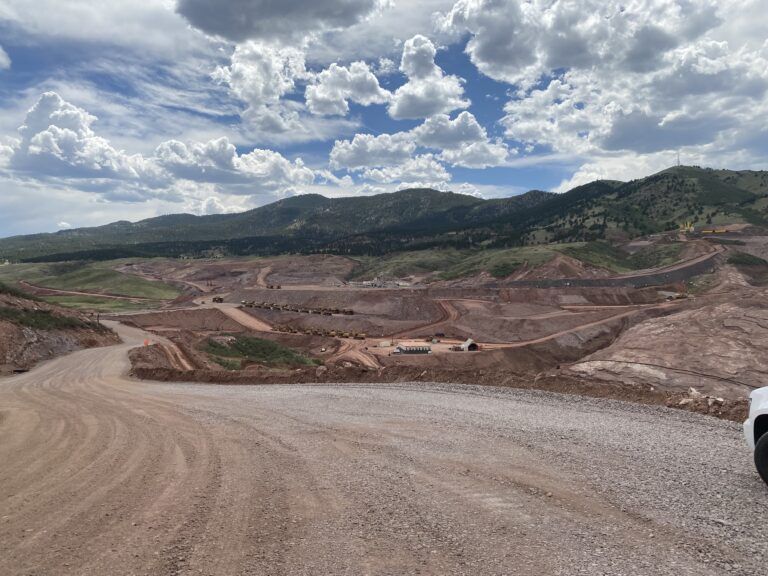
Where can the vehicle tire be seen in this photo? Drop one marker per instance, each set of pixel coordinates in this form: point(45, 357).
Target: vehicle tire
point(761, 457)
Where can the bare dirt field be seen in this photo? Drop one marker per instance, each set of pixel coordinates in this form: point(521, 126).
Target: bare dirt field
point(236, 273)
point(564, 324)
point(564, 321)
point(107, 475)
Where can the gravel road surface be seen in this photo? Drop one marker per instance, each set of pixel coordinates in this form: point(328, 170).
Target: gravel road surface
point(104, 475)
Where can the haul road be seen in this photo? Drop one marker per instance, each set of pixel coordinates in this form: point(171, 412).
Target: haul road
point(104, 474)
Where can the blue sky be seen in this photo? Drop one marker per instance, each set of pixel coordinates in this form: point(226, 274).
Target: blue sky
point(129, 110)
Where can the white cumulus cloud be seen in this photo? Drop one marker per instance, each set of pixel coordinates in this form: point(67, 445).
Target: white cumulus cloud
point(57, 140)
point(517, 42)
point(59, 145)
point(366, 150)
point(463, 141)
point(336, 86)
point(217, 161)
point(261, 75)
point(215, 205)
point(421, 171)
point(428, 90)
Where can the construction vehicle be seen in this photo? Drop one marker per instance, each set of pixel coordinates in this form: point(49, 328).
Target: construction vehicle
point(360, 336)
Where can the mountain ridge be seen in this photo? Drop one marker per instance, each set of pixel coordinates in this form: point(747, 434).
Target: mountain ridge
point(418, 218)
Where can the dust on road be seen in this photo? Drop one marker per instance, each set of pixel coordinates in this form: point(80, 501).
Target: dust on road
point(105, 475)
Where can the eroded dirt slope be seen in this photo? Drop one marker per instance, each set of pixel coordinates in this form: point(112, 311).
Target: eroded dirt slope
point(32, 331)
point(717, 348)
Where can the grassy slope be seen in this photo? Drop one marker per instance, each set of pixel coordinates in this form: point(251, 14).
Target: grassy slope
point(604, 255)
point(753, 267)
point(248, 349)
point(97, 277)
point(104, 305)
point(402, 264)
point(453, 264)
point(41, 319)
point(13, 291)
point(500, 263)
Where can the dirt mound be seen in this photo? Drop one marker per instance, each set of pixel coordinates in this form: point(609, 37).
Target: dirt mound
point(716, 348)
point(576, 295)
point(562, 266)
point(33, 331)
point(202, 319)
point(150, 363)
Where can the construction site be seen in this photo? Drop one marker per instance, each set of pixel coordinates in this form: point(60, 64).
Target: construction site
point(379, 404)
point(563, 324)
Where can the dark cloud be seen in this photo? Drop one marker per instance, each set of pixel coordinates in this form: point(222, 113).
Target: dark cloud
point(281, 20)
point(643, 133)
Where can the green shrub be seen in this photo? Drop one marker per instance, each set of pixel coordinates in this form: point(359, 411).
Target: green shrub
point(15, 292)
point(256, 350)
point(41, 319)
point(744, 259)
point(228, 364)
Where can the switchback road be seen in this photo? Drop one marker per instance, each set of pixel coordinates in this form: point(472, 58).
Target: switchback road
point(101, 474)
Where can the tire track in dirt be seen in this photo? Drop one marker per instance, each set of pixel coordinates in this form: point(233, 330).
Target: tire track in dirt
point(245, 319)
point(175, 356)
point(43, 290)
point(103, 474)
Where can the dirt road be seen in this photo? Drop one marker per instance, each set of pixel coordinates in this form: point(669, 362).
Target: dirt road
point(261, 277)
point(244, 319)
point(451, 314)
point(105, 475)
point(44, 291)
point(353, 351)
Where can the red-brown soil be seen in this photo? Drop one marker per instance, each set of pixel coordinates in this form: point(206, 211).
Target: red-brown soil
point(21, 347)
point(715, 346)
point(602, 336)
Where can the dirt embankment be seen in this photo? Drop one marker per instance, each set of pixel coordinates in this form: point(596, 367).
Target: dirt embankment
point(32, 331)
point(561, 266)
point(151, 363)
point(529, 367)
point(716, 348)
point(202, 319)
